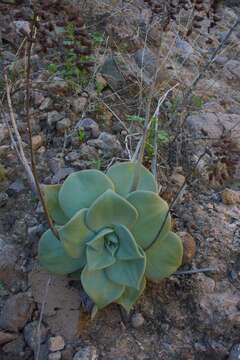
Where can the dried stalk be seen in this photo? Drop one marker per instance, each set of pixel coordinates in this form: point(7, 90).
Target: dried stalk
point(32, 155)
point(18, 143)
point(179, 193)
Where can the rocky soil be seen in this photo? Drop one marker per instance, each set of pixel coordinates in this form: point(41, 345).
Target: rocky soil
point(93, 65)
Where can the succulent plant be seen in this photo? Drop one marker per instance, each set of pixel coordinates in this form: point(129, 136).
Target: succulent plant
point(111, 237)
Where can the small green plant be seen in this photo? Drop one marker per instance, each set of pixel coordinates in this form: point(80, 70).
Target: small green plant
point(197, 101)
point(135, 118)
point(112, 235)
point(99, 87)
point(97, 38)
point(52, 68)
point(81, 135)
point(163, 137)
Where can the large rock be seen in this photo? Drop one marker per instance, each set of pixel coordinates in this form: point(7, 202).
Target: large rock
point(232, 70)
point(16, 312)
point(61, 310)
point(111, 71)
point(32, 332)
point(108, 144)
point(10, 273)
point(90, 128)
point(218, 306)
point(212, 124)
point(87, 353)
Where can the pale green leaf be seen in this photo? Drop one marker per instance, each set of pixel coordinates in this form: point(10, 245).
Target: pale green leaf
point(130, 296)
point(75, 234)
point(81, 189)
point(53, 257)
point(164, 257)
point(127, 272)
point(98, 257)
point(122, 176)
point(152, 211)
point(99, 288)
point(128, 248)
point(110, 209)
point(51, 193)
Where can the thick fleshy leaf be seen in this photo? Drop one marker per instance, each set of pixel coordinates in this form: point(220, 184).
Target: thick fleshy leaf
point(99, 288)
point(123, 175)
point(75, 234)
point(110, 209)
point(128, 248)
point(51, 198)
point(164, 257)
point(130, 296)
point(127, 272)
point(98, 257)
point(53, 257)
point(152, 211)
point(81, 189)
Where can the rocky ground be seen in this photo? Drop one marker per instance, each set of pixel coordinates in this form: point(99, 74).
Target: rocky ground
point(93, 65)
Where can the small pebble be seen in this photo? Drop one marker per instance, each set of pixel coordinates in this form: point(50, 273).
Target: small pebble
point(137, 320)
point(230, 197)
point(55, 356)
point(3, 199)
point(235, 352)
point(56, 343)
point(37, 142)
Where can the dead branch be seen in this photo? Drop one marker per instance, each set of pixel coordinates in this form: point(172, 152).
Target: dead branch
point(33, 163)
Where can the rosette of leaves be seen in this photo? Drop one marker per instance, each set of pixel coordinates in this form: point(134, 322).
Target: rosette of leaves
point(111, 237)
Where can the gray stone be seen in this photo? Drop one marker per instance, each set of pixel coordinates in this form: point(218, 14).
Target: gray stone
point(146, 60)
point(16, 312)
point(3, 198)
point(110, 71)
point(58, 86)
point(55, 356)
point(15, 347)
point(63, 125)
point(6, 337)
point(137, 320)
point(8, 260)
point(79, 104)
point(53, 117)
point(31, 334)
point(184, 49)
point(61, 174)
point(221, 60)
point(46, 104)
point(235, 352)
point(15, 188)
point(232, 70)
point(212, 123)
point(87, 353)
point(109, 145)
point(22, 26)
point(90, 128)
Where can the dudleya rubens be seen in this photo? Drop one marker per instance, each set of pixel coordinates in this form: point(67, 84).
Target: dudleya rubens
point(113, 238)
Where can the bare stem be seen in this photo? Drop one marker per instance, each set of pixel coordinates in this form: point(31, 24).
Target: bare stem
point(32, 155)
point(176, 198)
point(18, 143)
